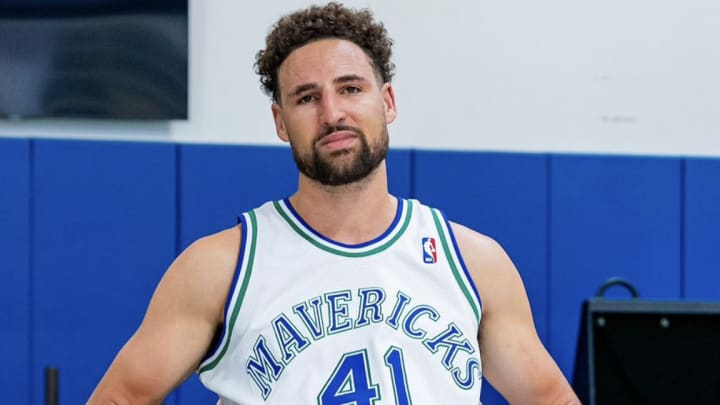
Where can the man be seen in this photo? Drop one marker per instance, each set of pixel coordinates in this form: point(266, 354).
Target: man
point(342, 293)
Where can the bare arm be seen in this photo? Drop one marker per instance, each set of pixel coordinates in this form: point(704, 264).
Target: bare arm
point(514, 359)
point(183, 315)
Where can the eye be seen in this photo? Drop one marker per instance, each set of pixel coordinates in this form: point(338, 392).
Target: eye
point(306, 99)
point(352, 90)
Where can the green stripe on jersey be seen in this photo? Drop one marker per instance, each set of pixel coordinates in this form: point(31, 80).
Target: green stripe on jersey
point(241, 295)
point(318, 244)
point(453, 265)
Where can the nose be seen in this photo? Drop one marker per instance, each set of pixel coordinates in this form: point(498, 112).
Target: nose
point(332, 110)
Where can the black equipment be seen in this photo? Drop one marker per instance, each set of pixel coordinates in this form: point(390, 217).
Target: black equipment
point(638, 352)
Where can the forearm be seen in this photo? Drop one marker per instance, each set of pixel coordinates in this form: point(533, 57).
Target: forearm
point(556, 392)
point(129, 382)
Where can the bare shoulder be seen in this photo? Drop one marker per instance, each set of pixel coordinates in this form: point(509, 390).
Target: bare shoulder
point(482, 254)
point(491, 269)
point(212, 254)
point(207, 267)
point(469, 239)
point(214, 244)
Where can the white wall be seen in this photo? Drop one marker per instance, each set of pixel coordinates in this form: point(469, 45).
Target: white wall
point(618, 76)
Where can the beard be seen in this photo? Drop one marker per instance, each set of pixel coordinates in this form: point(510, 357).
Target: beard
point(344, 166)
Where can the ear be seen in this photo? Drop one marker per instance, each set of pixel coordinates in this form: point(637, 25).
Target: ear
point(279, 123)
point(388, 95)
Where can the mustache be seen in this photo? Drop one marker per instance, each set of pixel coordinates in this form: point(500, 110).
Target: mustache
point(334, 128)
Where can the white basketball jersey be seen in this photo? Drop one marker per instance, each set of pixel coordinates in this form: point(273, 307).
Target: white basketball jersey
point(313, 321)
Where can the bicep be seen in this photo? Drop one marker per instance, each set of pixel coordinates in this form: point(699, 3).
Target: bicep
point(159, 356)
point(155, 361)
point(179, 325)
point(514, 359)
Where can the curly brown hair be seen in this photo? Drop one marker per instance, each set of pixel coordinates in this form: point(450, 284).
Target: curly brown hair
point(318, 22)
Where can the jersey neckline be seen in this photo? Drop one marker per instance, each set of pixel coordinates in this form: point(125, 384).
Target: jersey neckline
point(385, 240)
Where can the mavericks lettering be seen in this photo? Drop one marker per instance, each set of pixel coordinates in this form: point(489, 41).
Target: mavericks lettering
point(315, 319)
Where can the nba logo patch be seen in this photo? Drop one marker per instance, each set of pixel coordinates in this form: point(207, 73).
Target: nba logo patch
point(429, 251)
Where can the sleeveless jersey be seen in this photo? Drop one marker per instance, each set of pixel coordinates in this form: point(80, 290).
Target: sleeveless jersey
point(312, 321)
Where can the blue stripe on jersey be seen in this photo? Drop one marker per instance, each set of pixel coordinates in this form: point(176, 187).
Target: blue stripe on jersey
point(460, 259)
point(392, 226)
point(238, 269)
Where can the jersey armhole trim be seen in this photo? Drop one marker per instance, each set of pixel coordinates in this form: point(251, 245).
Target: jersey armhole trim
point(246, 257)
point(456, 262)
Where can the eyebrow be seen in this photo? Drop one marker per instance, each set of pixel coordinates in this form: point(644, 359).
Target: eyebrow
point(339, 80)
point(303, 88)
point(349, 78)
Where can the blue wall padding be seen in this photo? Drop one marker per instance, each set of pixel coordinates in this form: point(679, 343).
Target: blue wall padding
point(400, 168)
point(702, 229)
point(14, 269)
point(503, 196)
point(610, 216)
point(104, 232)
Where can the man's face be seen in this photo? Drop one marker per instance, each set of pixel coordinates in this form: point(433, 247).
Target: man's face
point(333, 111)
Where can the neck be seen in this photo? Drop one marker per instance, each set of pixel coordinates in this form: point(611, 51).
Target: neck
point(352, 213)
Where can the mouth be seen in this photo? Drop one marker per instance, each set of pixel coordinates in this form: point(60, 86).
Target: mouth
point(337, 140)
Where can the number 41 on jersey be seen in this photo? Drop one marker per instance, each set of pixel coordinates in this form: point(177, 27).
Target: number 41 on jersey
point(351, 383)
